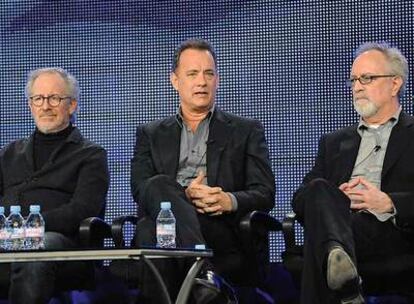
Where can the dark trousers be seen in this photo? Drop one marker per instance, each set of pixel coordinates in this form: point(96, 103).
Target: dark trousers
point(35, 282)
point(327, 219)
point(216, 232)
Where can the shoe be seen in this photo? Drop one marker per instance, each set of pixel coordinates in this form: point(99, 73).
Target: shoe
point(342, 277)
point(210, 288)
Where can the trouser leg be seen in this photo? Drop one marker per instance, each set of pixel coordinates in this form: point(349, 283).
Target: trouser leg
point(188, 233)
point(34, 282)
point(163, 188)
point(327, 219)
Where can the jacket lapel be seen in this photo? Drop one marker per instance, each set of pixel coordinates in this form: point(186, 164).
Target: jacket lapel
point(168, 146)
point(348, 152)
point(219, 134)
point(399, 139)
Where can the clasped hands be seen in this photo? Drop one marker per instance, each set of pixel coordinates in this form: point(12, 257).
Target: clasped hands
point(208, 200)
point(366, 196)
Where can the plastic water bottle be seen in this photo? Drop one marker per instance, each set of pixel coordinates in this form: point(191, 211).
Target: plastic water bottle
point(35, 229)
point(4, 234)
point(15, 223)
point(165, 227)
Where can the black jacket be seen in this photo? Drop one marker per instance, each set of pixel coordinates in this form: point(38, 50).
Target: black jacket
point(237, 158)
point(71, 186)
point(337, 154)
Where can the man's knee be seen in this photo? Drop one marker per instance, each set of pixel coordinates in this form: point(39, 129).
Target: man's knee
point(160, 186)
point(320, 193)
point(157, 182)
point(318, 184)
point(55, 240)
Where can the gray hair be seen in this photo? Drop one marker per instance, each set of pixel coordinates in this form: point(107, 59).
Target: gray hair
point(397, 61)
point(71, 84)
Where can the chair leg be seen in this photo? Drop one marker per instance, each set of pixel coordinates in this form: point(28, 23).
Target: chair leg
point(251, 295)
point(63, 297)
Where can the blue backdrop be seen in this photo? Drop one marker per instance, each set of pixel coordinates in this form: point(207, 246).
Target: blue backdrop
point(282, 62)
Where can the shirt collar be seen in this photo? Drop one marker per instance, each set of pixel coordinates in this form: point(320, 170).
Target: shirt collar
point(179, 116)
point(362, 125)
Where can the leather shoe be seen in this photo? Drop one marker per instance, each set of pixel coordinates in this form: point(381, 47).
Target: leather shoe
point(342, 276)
point(210, 288)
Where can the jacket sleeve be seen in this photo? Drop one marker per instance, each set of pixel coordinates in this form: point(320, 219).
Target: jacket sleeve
point(318, 171)
point(259, 191)
point(88, 198)
point(142, 166)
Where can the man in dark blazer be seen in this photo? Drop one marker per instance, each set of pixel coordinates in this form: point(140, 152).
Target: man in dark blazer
point(357, 201)
point(211, 165)
point(59, 170)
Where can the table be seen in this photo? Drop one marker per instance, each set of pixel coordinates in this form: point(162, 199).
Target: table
point(145, 254)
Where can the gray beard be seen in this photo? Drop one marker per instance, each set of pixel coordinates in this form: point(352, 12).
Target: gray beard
point(366, 110)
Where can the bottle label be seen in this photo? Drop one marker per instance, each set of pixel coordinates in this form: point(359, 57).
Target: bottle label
point(4, 235)
point(17, 233)
point(36, 232)
point(165, 229)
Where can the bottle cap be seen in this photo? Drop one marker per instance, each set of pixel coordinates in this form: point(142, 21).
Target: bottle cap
point(165, 205)
point(15, 209)
point(34, 208)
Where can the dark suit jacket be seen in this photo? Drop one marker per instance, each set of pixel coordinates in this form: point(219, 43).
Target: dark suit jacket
point(337, 154)
point(71, 186)
point(237, 158)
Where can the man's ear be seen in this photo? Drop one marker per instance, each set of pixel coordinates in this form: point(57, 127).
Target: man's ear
point(398, 82)
point(174, 80)
point(72, 106)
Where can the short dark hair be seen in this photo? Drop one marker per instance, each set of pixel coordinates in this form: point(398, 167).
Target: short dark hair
point(196, 44)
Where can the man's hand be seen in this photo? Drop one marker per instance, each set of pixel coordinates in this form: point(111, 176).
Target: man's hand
point(365, 196)
point(211, 200)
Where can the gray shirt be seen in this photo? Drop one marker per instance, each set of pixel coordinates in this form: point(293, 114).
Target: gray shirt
point(371, 154)
point(193, 152)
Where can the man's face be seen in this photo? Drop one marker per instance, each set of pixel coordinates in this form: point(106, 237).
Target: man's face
point(50, 119)
point(375, 97)
point(196, 80)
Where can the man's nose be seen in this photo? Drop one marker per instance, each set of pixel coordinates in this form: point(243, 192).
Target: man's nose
point(358, 86)
point(201, 79)
point(45, 104)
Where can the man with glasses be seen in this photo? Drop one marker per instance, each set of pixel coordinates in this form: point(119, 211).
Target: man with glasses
point(357, 201)
point(61, 171)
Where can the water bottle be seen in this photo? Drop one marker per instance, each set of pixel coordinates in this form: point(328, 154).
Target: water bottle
point(165, 227)
point(35, 229)
point(15, 224)
point(4, 234)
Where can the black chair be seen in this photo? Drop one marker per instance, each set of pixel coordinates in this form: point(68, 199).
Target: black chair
point(92, 232)
point(387, 277)
point(251, 272)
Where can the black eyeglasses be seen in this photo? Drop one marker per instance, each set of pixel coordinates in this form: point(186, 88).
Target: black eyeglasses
point(366, 79)
point(54, 100)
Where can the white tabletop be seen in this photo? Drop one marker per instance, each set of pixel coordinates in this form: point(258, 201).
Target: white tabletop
point(101, 254)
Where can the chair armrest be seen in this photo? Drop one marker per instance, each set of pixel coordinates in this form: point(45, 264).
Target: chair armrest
point(288, 227)
point(254, 229)
point(117, 228)
point(92, 232)
point(259, 220)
